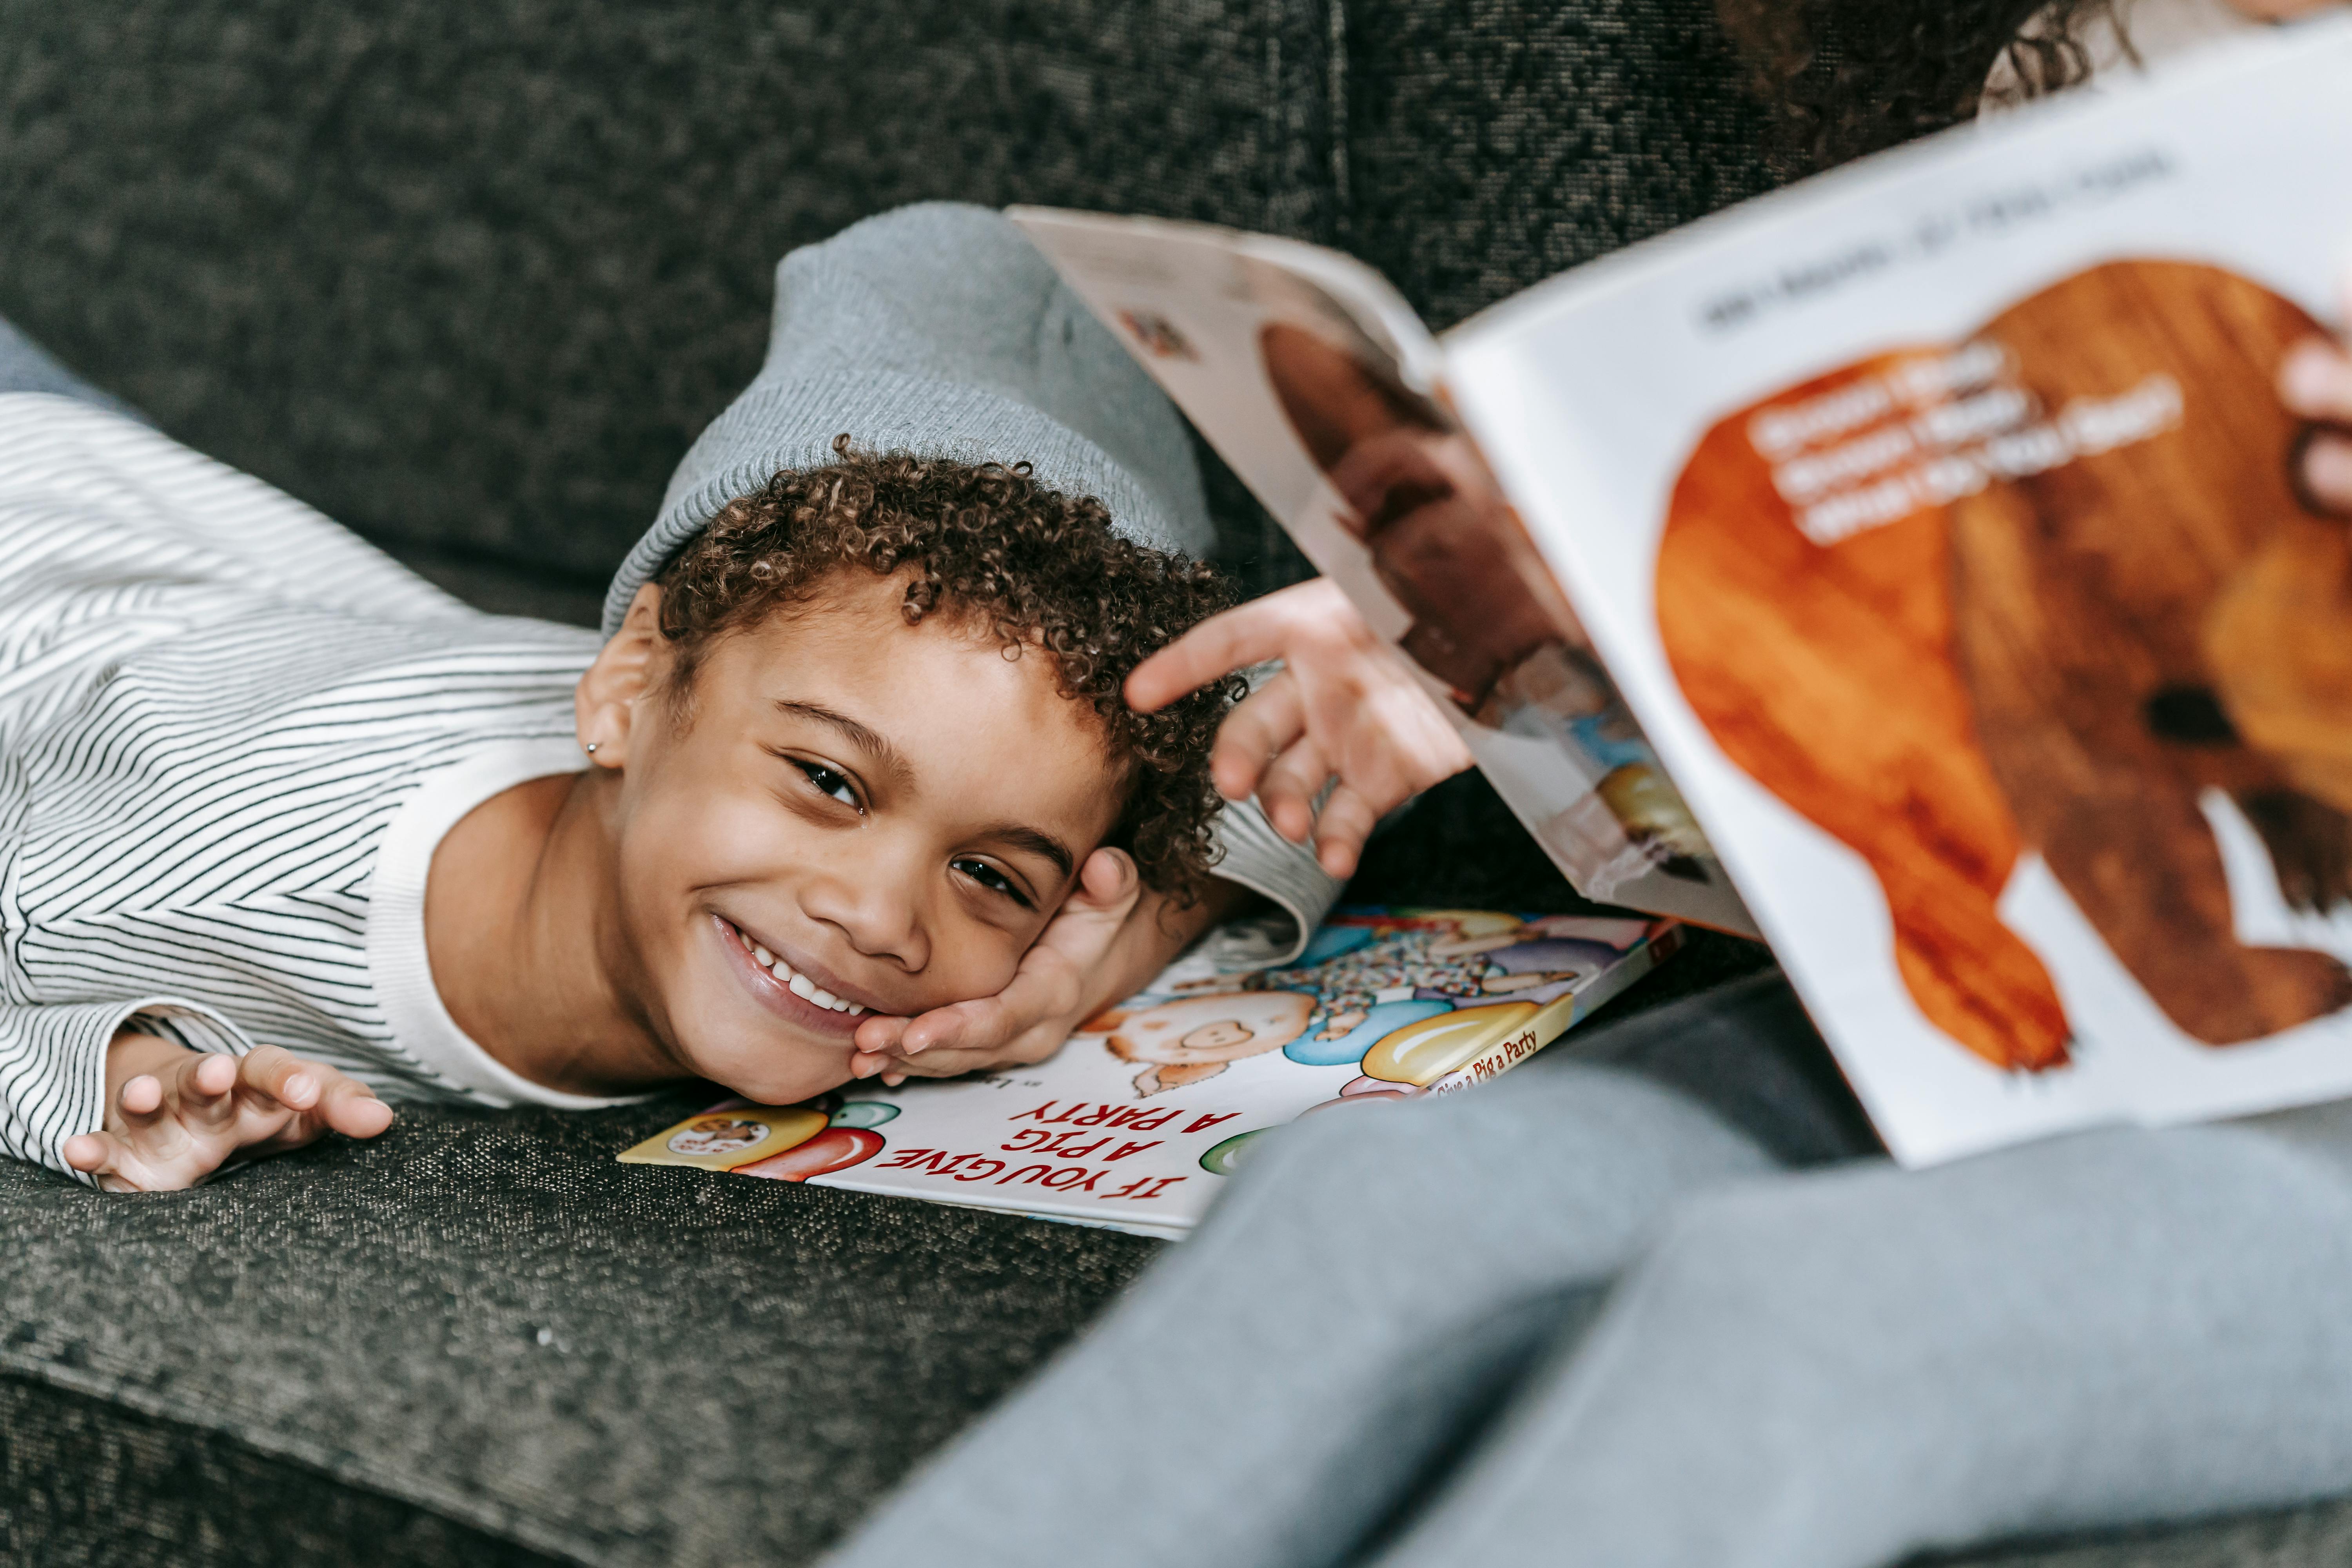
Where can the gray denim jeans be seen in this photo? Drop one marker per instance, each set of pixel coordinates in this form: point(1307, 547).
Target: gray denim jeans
point(1582, 1317)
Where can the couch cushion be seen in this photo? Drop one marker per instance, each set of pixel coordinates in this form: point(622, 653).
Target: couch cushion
point(1493, 143)
point(473, 274)
point(483, 1329)
point(480, 1339)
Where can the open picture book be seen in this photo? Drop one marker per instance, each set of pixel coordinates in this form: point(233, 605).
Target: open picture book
point(1907, 566)
point(1135, 1123)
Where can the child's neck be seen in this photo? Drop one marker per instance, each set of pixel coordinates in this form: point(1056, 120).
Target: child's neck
point(525, 951)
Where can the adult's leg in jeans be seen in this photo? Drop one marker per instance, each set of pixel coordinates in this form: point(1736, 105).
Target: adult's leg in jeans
point(1838, 1370)
point(25, 366)
point(1268, 1390)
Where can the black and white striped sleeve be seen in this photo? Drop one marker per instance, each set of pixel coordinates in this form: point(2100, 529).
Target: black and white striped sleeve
point(53, 1066)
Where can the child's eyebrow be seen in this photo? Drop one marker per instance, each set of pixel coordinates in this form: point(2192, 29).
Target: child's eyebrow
point(1015, 836)
point(874, 745)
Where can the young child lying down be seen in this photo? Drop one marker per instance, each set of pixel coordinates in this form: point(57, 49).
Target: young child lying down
point(286, 833)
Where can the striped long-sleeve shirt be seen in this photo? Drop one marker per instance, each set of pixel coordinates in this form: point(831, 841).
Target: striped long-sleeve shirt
point(231, 735)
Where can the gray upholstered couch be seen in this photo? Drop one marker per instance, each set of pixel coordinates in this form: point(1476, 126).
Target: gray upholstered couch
point(469, 274)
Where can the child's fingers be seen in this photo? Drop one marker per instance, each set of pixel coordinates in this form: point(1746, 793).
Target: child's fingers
point(865, 1064)
point(351, 1109)
point(878, 1034)
point(1109, 879)
point(1243, 635)
point(994, 1028)
point(203, 1089)
point(275, 1075)
point(141, 1099)
point(941, 1027)
point(956, 1063)
point(112, 1164)
point(1347, 820)
point(1287, 790)
point(1260, 726)
point(1414, 743)
point(150, 1141)
point(92, 1152)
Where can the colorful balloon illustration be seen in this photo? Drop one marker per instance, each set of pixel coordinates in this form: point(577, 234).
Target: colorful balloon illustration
point(1385, 1091)
point(863, 1114)
point(1332, 942)
point(1422, 1053)
point(834, 1149)
point(1382, 1018)
point(1227, 1157)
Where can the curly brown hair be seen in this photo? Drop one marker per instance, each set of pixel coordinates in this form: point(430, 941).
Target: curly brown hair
point(1850, 77)
point(992, 547)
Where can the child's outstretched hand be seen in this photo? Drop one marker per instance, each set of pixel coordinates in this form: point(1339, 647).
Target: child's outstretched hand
point(2315, 382)
point(1344, 711)
point(174, 1116)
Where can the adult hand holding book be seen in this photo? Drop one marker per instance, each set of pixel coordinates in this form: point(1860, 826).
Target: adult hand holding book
point(2315, 384)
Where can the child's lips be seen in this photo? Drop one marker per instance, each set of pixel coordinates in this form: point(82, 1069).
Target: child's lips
point(784, 987)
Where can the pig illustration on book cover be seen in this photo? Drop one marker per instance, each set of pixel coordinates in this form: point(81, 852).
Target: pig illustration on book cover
point(2053, 592)
point(1191, 1039)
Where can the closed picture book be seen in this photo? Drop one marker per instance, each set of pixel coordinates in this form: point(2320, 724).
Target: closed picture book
point(1136, 1121)
point(1909, 566)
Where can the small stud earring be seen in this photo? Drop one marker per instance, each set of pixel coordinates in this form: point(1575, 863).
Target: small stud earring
point(591, 748)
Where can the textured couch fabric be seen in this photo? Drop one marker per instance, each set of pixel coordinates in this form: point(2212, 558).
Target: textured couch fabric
point(469, 275)
point(487, 1322)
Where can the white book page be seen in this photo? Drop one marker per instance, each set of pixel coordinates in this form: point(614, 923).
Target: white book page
point(1591, 394)
point(1218, 318)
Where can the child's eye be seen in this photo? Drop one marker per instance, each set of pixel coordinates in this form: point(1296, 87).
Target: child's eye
point(831, 783)
point(989, 877)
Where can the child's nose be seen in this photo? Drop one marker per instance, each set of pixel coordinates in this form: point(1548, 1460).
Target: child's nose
point(872, 896)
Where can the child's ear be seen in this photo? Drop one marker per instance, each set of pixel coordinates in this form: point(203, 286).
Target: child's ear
point(632, 662)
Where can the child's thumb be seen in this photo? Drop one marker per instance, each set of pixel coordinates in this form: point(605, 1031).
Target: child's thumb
point(1108, 877)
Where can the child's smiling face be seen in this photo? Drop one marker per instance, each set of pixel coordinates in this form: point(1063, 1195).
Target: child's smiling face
point(892, 810)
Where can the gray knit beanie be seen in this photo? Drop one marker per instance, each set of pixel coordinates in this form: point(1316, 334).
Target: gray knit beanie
point(938, 330)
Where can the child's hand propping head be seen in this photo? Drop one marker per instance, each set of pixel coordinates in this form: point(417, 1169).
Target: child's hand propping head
point(174, 1116)
point(853, 749)
point(1059, 984)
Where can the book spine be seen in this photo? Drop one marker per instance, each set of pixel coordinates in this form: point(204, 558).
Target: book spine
point(1555, 1020)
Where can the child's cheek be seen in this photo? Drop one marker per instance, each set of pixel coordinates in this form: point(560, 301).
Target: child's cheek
point(966, 965)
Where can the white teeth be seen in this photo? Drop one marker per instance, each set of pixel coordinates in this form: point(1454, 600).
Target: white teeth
point(799, 985)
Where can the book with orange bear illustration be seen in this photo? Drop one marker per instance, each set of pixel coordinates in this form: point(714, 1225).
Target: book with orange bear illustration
point(1136, 1121)
point(1909, 566)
